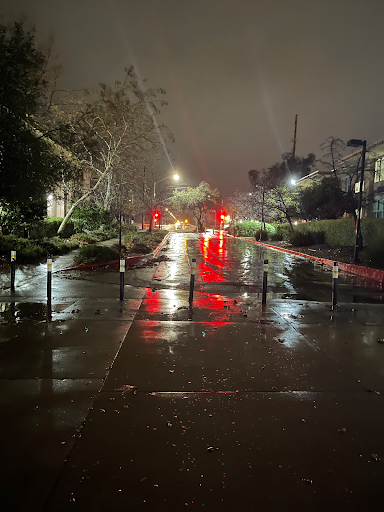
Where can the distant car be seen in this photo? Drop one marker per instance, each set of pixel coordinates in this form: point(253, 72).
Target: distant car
point(185, 228)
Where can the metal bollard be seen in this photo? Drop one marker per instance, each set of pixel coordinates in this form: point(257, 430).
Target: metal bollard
point(335, 273)
point(13, 270)
point(122, 271)
point(265, 280)
point(49, 278)
point(192, 281)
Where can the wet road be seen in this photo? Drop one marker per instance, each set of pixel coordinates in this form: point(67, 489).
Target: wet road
point(150, 404)
point(229, 265)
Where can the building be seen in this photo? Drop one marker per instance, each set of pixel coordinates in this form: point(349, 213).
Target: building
point(348, 173)
point(373, 186)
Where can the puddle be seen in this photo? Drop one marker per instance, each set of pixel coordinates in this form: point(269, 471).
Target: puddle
point(17, 312)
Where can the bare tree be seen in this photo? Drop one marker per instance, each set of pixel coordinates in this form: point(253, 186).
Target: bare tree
point(333, 150)
point(114, 131)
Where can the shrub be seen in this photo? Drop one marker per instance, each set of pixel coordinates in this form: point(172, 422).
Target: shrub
point(57, 246)
point(300, 239)
point(101, 234)
point(92, 216)
point(95, 254)
point(277, 236)
point(28, 251)
point(249, 229)
point(128, 228)
point(143, 242)
point(282, 230)
point(262, 235)
point(84, 238)
point(373, 254)
point(52, 225)
point(15, 219)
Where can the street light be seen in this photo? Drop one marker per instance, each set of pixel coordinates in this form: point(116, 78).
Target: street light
point(175, 177)
point(355, 143)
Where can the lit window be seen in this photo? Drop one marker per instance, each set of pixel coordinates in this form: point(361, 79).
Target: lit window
point(347, 183)
point(378, 209)
point(379, 170)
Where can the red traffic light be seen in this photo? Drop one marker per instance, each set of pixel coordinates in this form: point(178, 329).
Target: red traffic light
point(156, 215)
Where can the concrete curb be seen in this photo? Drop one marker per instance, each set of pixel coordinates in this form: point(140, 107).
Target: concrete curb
point(369, 273)
point(128, 261)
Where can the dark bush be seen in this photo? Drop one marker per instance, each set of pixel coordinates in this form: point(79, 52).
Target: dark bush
point(57, 246)
point(373, 254)
point(300, 239)
point(92, 216)
point(249, 228)
point(29, 251)
point(95, 254)
point(261, 235)
point(143, 242)
point(84, 238)
point(128, 228)
point(52, 224)
point(277, 236)
point(101, 234)
point(139, 248)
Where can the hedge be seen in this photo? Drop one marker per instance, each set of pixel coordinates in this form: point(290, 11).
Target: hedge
point(342, 231)
point(249, 228)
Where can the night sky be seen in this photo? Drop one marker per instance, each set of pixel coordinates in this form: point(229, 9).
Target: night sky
point(236, 71)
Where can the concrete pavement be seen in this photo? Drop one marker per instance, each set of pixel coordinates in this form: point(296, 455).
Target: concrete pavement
point(152, 405)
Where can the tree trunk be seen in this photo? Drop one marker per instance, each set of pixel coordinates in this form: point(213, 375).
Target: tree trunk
point(107, 198)
point(290, 222)
point(69, 214)
point(82, 198)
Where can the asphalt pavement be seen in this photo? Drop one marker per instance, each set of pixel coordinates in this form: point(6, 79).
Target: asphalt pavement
point(153, 404)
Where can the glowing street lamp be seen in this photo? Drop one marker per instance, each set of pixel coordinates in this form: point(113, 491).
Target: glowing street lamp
point(176, 177)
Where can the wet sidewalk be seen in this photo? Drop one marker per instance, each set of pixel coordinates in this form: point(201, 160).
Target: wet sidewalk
point(153, 405)
point(25, 272)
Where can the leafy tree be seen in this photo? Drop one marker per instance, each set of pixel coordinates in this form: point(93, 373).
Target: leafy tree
point(31, 164)
point(282, 202)
point(323, 200)
point(291, 168)
point(196, 201)
point(14, 217)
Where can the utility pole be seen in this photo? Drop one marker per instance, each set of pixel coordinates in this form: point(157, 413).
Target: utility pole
point(142, 213)
point(294, 140)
